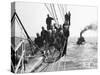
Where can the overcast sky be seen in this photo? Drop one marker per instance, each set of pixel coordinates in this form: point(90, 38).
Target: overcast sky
point(33, 17)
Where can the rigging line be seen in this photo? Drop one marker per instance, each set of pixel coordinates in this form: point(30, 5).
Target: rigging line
point(52, 12)
point(28, 37)
point(63, 12)
point(55, 13)
point(60, 12)
point(23, 27)
point(47, 64)
point(62, 9)
point(13, 17)
point(20, 26)
point(48, 9)
point(66, 8)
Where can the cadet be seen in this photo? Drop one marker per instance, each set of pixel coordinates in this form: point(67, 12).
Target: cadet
point(38, 40)
point(48, 22)
point(44, 35)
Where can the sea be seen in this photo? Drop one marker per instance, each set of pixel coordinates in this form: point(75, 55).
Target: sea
point(77, 56)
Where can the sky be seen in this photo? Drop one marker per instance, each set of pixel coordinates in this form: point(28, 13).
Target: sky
point(33, 17)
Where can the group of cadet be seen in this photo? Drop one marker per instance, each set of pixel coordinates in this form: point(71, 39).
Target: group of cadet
point(55, 35)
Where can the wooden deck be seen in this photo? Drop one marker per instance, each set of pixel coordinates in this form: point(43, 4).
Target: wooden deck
point(61, 65)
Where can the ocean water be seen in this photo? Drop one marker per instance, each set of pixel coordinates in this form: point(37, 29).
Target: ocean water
point(78, 56)
point(81, 56)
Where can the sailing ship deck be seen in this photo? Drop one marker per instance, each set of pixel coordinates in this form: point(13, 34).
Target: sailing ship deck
point(79, 57)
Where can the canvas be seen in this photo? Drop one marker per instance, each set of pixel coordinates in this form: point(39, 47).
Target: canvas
point(47, 37)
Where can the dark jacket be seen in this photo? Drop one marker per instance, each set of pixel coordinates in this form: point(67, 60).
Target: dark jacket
point(48, 20)
point(39, 41)
point(44, 35)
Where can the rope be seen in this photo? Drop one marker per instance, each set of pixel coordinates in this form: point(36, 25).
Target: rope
point(60, 13)
point(12, 19)
point(65, 8)
point(51, 10)
point(48, 9)
point(20, 27)
point(62, 9)
point(55, 14)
